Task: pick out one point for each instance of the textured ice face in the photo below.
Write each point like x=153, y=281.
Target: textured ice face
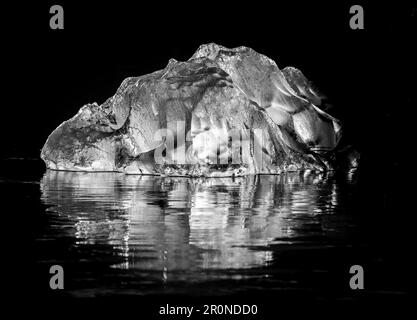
x=223, y=112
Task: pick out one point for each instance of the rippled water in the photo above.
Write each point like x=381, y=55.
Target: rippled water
x=139, y=234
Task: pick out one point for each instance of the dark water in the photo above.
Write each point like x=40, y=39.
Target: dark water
x=288, y=236
x=150, y=233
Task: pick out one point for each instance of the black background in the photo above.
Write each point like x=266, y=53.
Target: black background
x=368, y=75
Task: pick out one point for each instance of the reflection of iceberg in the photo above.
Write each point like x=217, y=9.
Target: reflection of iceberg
x=183, y=227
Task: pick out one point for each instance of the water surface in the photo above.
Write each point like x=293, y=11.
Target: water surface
x=124, y=234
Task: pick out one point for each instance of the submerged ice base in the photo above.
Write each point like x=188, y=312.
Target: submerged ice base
x=224, y=112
